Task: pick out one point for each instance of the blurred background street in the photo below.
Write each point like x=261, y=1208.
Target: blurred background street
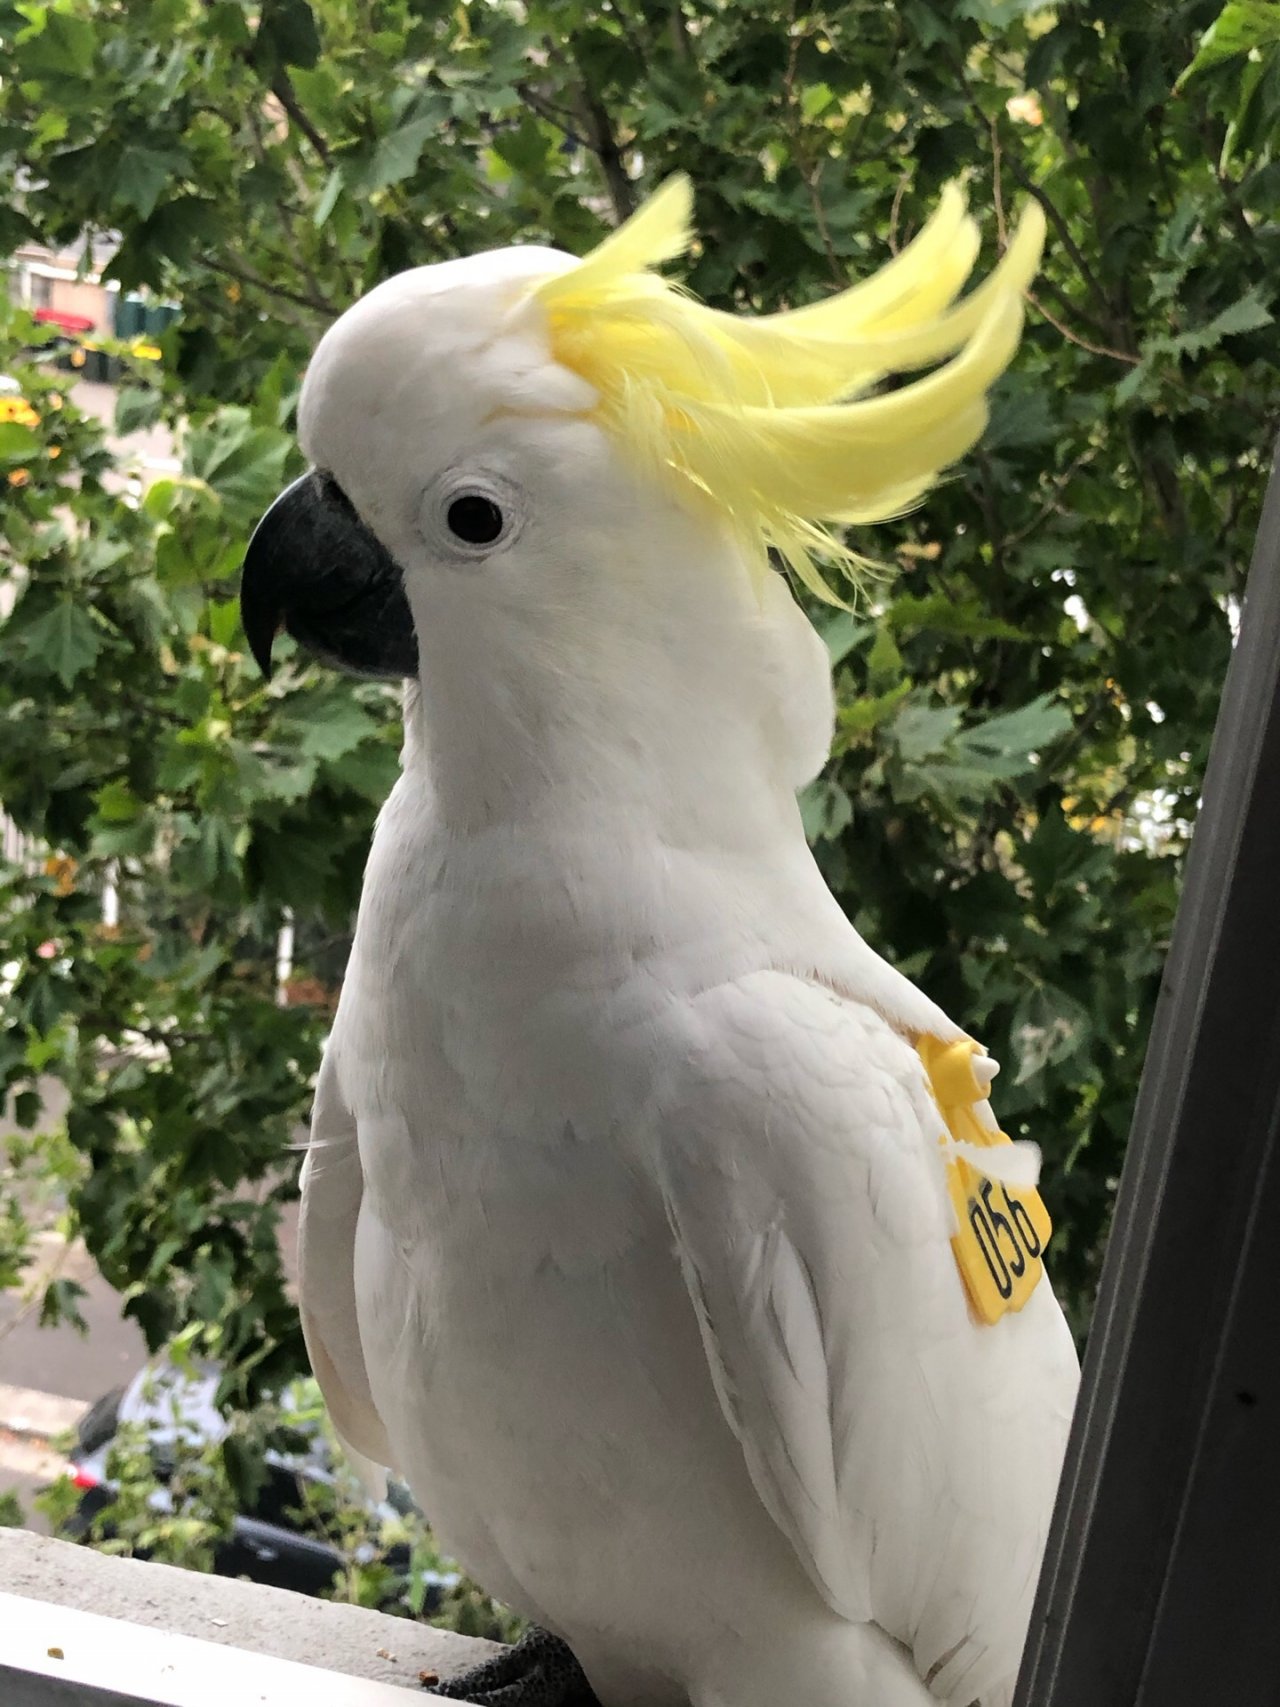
x=50, y=1375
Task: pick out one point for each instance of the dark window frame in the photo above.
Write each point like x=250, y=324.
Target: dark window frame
x=1161, y=1582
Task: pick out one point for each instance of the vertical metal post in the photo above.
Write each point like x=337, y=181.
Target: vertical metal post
x=1161, y=1584
x=284, y=957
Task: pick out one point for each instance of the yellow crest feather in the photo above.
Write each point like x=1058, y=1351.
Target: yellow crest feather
x=767, y=417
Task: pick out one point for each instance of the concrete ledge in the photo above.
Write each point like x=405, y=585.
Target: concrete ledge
x=78, y=1626
x=25, y=1411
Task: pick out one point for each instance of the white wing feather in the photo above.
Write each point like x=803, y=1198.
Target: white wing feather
x=332, y=1188
x=909, y=1454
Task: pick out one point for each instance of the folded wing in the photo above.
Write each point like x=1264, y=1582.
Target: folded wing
x=909, y=1453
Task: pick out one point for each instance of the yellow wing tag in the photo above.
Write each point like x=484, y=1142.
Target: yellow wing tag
x=1002, y=1230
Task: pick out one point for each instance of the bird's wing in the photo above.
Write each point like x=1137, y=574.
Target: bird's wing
x=909, y=1453
x=332, y=1188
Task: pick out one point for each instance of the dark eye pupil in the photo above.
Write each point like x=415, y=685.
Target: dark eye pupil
x=474, y=519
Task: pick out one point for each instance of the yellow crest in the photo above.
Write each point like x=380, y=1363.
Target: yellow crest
x=768, y=416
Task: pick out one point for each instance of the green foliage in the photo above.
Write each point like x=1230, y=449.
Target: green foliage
x=1024, y=714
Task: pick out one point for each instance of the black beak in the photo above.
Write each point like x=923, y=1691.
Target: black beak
x=314, y=569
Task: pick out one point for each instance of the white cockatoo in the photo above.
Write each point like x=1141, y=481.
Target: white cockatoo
x=655, y=1228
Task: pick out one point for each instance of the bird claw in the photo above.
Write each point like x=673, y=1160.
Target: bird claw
x=537, y=1671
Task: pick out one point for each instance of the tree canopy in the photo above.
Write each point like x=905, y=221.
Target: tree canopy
x=1024, y=706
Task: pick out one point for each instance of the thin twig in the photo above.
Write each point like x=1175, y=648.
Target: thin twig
x=894, y=211
x=813, y=184
x=568, y=124
x=809, y=173
x=282, y=89
x=1052, y=213
x=288, y=216
x=680, y=34
x=1070, y=305
x=996, y=185
x=1076, y=737
x=1059, y=224
x=35, y=1299
x=1074, y=337
x=991, y=513
x=243, y=275
x=1051, y=505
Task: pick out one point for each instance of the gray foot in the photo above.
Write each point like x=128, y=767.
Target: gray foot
x=537, y=1671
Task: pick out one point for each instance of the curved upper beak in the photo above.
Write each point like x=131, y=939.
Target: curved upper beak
x=314, y=569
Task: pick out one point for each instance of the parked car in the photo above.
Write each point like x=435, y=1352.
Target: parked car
x=268, y=1543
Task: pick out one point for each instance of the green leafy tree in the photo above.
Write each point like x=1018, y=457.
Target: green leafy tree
x=1024, y=711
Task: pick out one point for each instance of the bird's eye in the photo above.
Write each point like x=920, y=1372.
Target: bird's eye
x=475, y=519
x=467, y=515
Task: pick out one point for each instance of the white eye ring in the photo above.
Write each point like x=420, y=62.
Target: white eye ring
x=469, y=514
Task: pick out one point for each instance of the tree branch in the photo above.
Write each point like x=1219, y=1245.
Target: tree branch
x=1074, y=338
x=1052, y=213
x=895, y=212
x=282, y=89
x=1069, y=305
x=568, y=124
x=287, y=214
x=604, y=145
x=1059, y=224
x=1051, y=506
x=809, y=173
x=245, y=275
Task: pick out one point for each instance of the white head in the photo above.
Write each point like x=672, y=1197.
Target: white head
x=545, y=489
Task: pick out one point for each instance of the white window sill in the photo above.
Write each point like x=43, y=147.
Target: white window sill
x=80, y=1629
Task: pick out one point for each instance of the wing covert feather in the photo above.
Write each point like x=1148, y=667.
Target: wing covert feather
x=909, y=1453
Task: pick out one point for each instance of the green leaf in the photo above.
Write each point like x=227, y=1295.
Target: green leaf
x=1023, y=416
x=65, y=639
x=329, y=200
x=369, y=770
x=815, y=100
x=137, y=407
x=335, y=727
x=524, y=148
x=920, y=730
x=825, y=810
x=224, y=621
x=1241, y=27
x=143, y=173
x=939, y=614
x=17, y=443
x=841, y=631
x=997, y=15
x=395, y=157
x=117, y=804
x=288, y=783
x=856, y=717
x=885, y=667
x=1249, y=314
x=1048, y=1027
x=289, y=34
x=1021, y=734
x=57, y=42
x=242, y=463
x=61, y=1303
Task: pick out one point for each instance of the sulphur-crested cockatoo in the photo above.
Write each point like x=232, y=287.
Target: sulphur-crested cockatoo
x=654, y=1227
